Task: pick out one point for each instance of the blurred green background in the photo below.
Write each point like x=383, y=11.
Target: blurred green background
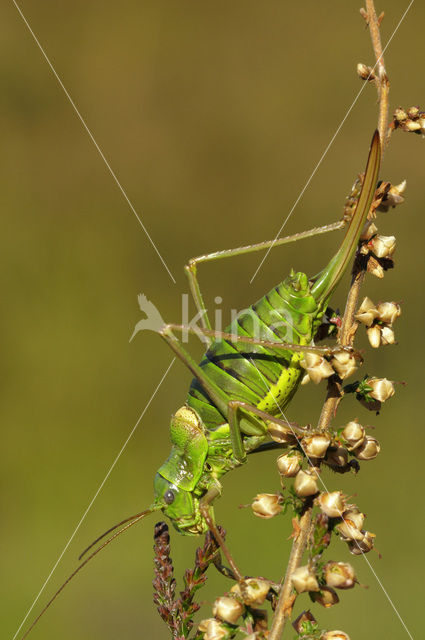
x=212, y=115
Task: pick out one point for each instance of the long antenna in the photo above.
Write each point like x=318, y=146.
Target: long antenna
x=134, y=520
x=119, y=524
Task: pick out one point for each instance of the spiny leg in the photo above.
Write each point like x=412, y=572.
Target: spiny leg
x=191, y=267
x=235, y=408
x=269, y=344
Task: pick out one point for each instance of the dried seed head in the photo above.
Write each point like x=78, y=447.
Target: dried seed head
x=327, y=597
x=281, y=434
x=370, y=229
x=368, y=450
x=367, y=312
x=353, y=434
x=388, y=312
x=304, y=579
x=383, y=246
x=267, y=505
x=358, y=547
x=422, y=123
x=316, y=445
x=289, y=464
x=374, y=336
x=351, y=526
x=348, y=529
x=331, y=503
x=354, y=515
x=253, y=591
x=306, y=483
x=344, y=363
x=400, y=115
x=393, y=197
x=365, y=73
x=306, y=617
x=228, y=609
x=305, y=379
x=339, y=575
x=382, y=389
x=412, y=125
x=413, y=112
x=387, y=335
x=375, y=268
x=336, y=457
x=317, y=367
x=212, y=629
x=334, y=635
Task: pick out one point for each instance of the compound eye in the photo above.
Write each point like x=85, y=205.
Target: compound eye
x=169, y=497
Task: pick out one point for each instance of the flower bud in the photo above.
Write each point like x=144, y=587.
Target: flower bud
x=370, y=229
x=336, y=457
x=306, y=483
x=358, y=547
x=304, y=579
x=400, y=115
x=267, y=505
x=253, y=591
x=289, y=464
x=306, y=618
x=227, y=609
x=367, y=312
x=327, y=597
x=212, y=629
x=344, y=363
x=383, y=246
x=388, y=312
x=368, y=450
x=316, y=445
x=317, y=367
x=374, y=336
x=382, y=389
x=412, y=125
x=365, y=73
x=331, y=503
x=281, y=434
x=339, y=575
x=353, y=434
x=375, y=268
x=387, y=335
x=334, y=635
x=305, y=379
x=351, y=525
x=413, y=112
x=394, y=196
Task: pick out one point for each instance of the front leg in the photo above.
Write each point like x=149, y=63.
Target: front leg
x=206, y=509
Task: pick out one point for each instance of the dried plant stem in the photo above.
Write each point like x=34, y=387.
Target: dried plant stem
x=284, y=605
x=381, y=79
x=346, y=337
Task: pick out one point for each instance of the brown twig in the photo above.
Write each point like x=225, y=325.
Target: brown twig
x=285, y=602
x=381, y=78
x=346, y=338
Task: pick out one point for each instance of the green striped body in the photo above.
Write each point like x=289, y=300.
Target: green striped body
x=263, y=377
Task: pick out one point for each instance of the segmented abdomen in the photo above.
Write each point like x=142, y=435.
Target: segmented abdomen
x=264, y=377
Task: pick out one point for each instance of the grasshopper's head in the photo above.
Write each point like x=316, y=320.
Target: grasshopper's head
x=177, y=480
x=180, y=505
